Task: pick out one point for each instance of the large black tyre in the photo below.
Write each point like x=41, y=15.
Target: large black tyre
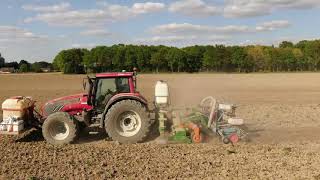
x=60, y=128
x=128, y=122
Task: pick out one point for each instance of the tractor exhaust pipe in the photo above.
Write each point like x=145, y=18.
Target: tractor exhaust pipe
x=135, y=73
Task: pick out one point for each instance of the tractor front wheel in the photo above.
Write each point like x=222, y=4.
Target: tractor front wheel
x=60, y=128
x=127, y=122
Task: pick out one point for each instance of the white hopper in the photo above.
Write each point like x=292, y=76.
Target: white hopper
x=16, y=107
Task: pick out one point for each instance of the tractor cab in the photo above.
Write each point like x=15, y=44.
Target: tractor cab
x=106, y=89
x=105, y=86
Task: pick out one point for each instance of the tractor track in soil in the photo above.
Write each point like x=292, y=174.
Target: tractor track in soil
x=281, y=112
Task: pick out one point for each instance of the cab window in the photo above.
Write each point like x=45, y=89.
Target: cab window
x=122, y=85
x=108, y=87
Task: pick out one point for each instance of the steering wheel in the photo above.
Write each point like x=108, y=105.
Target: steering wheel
x=209, y=106
x=104, y=98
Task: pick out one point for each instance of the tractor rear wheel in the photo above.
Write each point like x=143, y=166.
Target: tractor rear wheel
x=60, y=128
x=127, y=122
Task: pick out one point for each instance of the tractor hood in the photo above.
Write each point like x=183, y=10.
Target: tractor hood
x=72, y=104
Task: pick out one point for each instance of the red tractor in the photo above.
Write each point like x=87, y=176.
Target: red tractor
x=111, y=102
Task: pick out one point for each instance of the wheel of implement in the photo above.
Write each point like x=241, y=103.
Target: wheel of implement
x=60, y=128
x=234, y=138
x=207, y=103
x=127, y=122
x=197, y=138
x=225, y=140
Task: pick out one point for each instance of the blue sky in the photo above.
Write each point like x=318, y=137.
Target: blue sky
x=37, y=30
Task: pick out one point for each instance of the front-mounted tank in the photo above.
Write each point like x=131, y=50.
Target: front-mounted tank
x=16, y=107
x=17, y=111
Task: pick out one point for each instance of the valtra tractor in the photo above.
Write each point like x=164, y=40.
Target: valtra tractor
x=113, y=103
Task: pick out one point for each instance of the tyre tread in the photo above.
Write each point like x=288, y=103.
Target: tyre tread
x=127, y=140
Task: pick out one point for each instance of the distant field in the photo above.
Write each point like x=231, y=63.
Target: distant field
x=281, y=110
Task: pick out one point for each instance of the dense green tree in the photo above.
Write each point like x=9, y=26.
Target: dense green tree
x=194, y=58
x=36, y=67
x=301, y=45
x=286, y=44
x=44, y=64
x=24, y=68
x=72, y=58
x=300, y=59
x=240, y=59
x=119, y=57
x=225, y=54
x=312, y=53
x=159, y=59
x=176, y=59
x=143, y=55
x=130, y=57
x=287, y=59
x=257, y=55
x=98, y=59
x=272, y=59
x=210, y=59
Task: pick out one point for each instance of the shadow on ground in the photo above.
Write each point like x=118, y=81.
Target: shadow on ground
x=33, y=135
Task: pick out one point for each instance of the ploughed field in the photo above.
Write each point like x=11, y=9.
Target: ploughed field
x=281, y=112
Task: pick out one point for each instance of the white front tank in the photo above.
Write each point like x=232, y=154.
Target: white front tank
x=161, y=93
x=16, y=107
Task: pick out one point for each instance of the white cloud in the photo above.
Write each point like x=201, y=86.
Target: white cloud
x=73, y=18
x=272, y=25
x=218, y=37
x=148, y=7
x=181, y=40
x=191, y=34
x=53, y=8
x=252, y=8
x=95, y=32
x=14, y=34
x=194, y=8
x=192, y=29
x=95, y=17
x=187, y=28
x=165, y=39
x=89, y=46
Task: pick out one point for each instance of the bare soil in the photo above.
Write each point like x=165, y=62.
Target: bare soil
x=281, y=112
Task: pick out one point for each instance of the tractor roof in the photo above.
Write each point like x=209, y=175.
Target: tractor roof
x=114, y=74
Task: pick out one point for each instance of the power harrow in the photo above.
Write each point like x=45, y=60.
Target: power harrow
x=196, y=125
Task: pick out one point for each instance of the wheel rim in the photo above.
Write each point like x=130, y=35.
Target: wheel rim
x=128, y=124
x=59, y=130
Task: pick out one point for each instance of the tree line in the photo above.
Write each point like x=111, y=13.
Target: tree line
x=302, y=56
x=24, y=66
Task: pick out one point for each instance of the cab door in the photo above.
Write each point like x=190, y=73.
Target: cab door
x=106, y=88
